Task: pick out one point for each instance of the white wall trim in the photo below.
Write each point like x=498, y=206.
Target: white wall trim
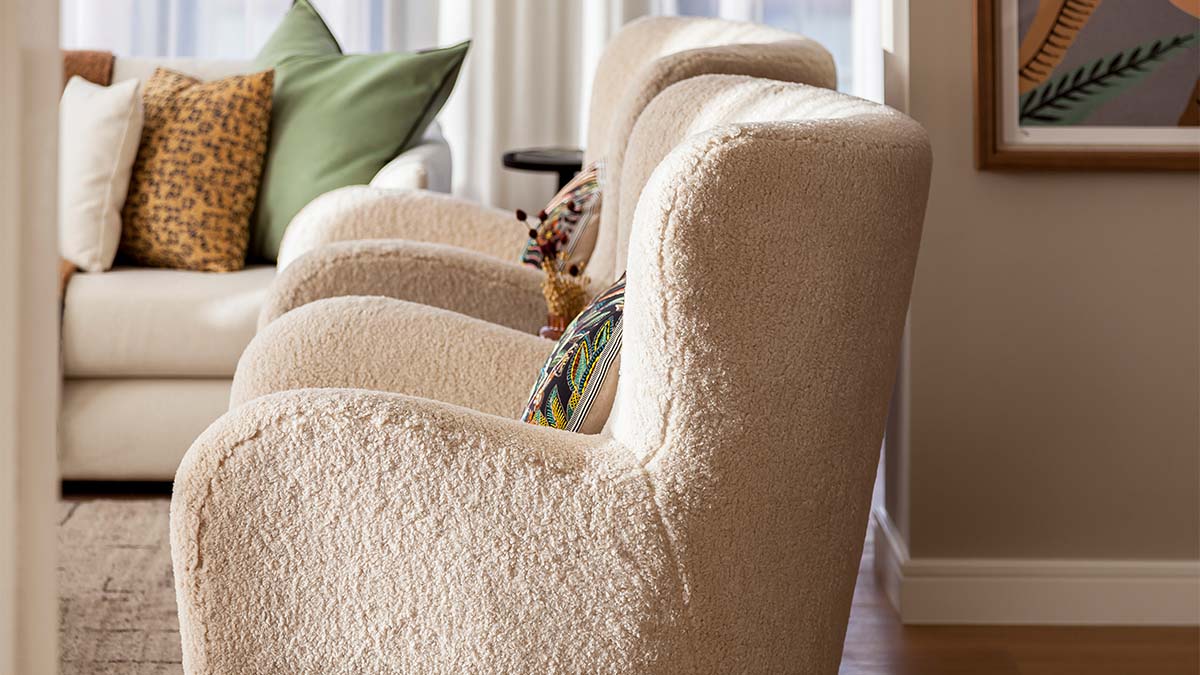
x=1033, y=592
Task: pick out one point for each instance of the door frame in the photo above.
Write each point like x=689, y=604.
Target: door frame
x=31, y=77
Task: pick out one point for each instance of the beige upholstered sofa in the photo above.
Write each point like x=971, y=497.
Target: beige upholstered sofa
x=407, y=522
x=455, y=254
x=148, y=354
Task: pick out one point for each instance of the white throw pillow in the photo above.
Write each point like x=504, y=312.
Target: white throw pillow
x=98, y=133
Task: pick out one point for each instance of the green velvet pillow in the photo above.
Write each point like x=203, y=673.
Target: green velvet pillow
x=337, y=119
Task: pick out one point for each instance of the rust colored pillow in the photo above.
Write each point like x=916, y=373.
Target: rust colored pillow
x=94, y=66
x=196, y=176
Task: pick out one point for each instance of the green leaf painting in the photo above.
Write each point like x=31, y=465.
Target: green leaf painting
x=1071, y=97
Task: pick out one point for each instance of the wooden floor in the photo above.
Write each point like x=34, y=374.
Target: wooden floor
x=877, y=644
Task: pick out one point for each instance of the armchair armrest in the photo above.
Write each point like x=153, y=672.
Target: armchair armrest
x=426, y=166
x=360, y=212
x=466, y=282
x=390, y=345
x=349, y=531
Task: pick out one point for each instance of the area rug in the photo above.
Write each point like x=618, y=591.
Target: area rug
x=116, y=595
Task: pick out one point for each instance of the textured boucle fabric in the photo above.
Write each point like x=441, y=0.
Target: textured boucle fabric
x=644, y=58
x=715, y=525
x=706, y=102
x=360, y=212
x=390, y=345
x=788, y=60
x=337, y=531
x=764, y=475
x=630, y=70
x=660, y=52
x=432, y=274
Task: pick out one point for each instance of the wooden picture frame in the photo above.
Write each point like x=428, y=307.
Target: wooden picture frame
x=992, y=153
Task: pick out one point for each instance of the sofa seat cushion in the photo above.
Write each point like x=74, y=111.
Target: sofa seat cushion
x=143, y=322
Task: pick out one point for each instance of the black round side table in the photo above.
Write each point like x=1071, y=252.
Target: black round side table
x=566, y=162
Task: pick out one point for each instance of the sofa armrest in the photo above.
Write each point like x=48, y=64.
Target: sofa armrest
x=349, y=531
x=426, y=166
x=390, y=345
x=360, y=212
x=462, y=281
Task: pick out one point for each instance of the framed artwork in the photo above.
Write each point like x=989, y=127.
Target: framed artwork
x=1087, y=84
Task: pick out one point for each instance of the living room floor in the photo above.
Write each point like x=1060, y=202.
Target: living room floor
x=117, y=615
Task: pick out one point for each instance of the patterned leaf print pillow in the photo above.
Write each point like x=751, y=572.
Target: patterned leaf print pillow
x=575, y=210
x=576, y=387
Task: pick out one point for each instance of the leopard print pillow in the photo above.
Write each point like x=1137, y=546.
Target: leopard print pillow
x=196, y=176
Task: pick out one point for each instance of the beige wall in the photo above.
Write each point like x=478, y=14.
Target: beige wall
x=1054, y=345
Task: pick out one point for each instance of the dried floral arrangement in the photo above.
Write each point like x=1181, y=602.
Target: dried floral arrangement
x=565, y=284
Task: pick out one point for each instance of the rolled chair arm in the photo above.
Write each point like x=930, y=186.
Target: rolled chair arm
x=391, y=345
x=426, y=166
x=451, y=278
x=343, y=531
x=361, y=212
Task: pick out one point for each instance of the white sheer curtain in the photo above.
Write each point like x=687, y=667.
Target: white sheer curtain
x=526, y=80
x=526, y=84
x=529, y=76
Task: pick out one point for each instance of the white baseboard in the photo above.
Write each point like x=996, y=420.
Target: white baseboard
x=1034, y=592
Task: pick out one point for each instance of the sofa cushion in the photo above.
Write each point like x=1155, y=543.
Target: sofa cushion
x=98, y=132
x=142, y=322
x=196, y=176
x=338, y=119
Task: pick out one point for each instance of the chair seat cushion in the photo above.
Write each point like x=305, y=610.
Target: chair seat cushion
x=143, y=322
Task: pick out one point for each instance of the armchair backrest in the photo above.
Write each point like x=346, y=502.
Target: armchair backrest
x=770, y=263
x=619, y=81
x=649, y=55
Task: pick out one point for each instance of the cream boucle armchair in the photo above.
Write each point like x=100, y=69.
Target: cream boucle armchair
x=715, y=526
x=460, y=255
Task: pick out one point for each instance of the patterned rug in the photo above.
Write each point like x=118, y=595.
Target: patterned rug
x=116, y=595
